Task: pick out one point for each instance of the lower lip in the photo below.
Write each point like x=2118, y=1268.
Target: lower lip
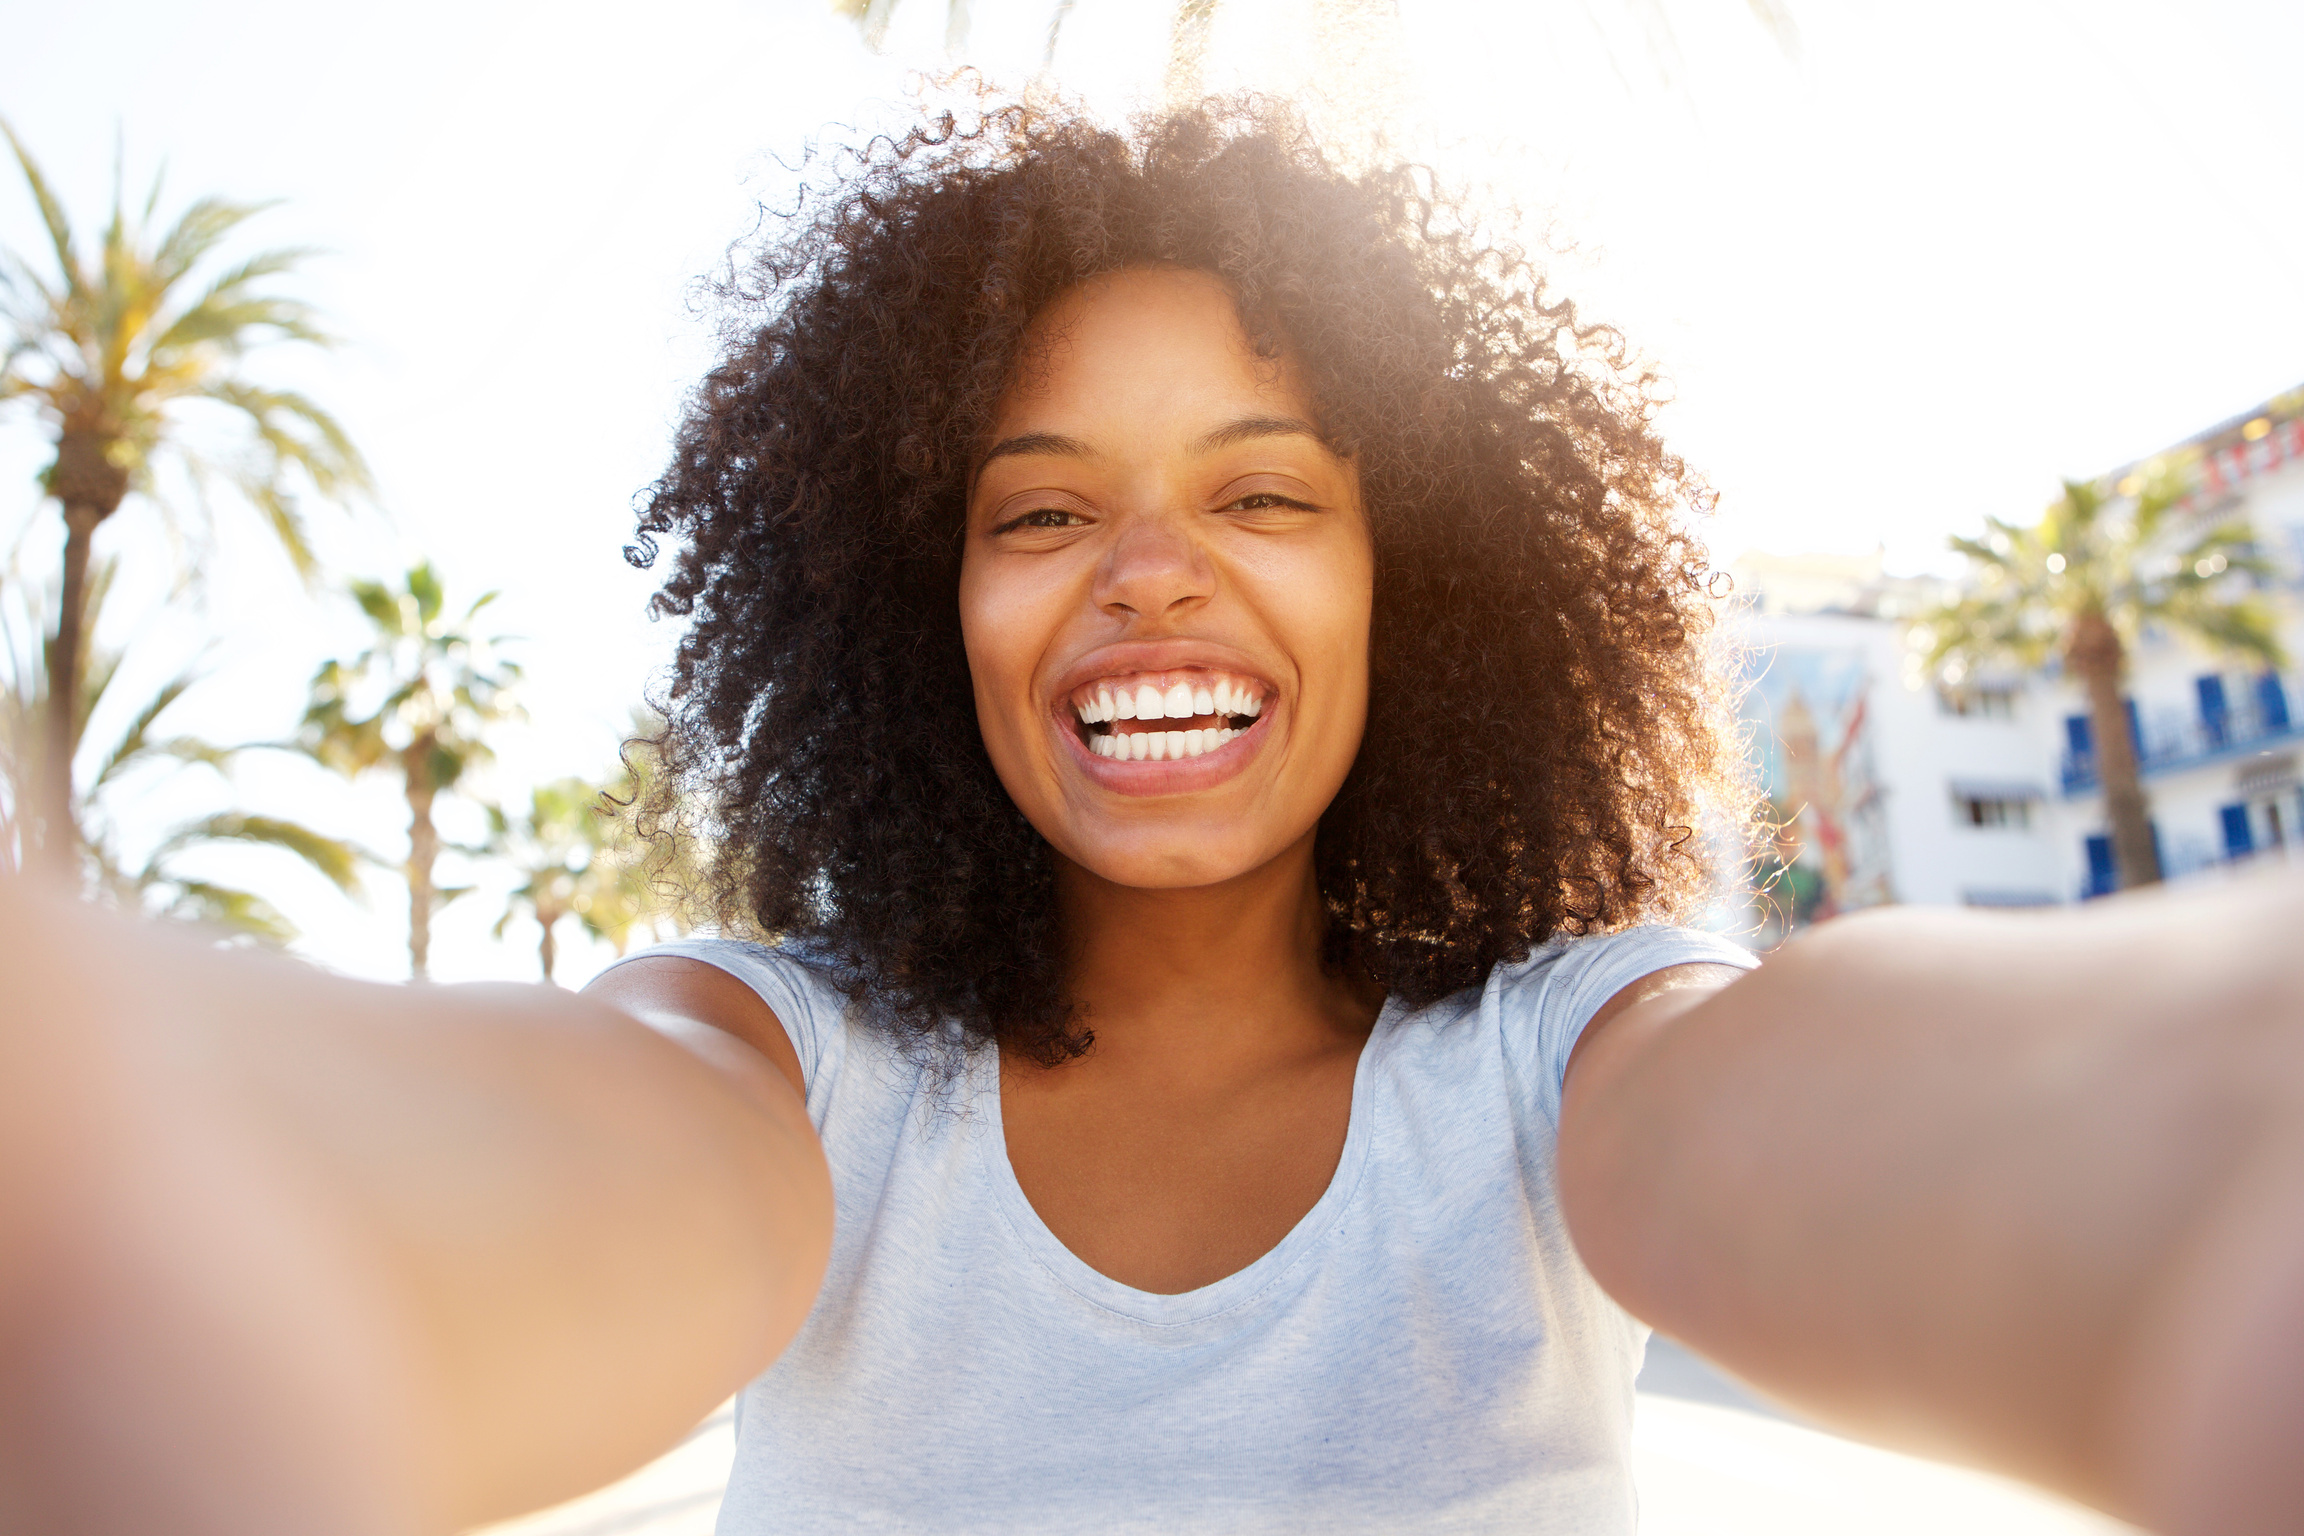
x=1168, y=777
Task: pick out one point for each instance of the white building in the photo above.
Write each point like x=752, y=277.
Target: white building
x=1898, y=789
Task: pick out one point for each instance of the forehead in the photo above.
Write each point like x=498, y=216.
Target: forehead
x=1158, y=339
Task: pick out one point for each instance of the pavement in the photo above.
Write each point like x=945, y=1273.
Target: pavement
x=1711, y=1458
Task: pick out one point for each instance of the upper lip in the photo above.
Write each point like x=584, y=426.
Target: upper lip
x=1129, y=656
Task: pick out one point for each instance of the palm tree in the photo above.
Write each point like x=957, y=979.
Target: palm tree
x=119, y=354
x=573, y=861
x=137, y=754
x=580, y=855
x=418, y=703
x=2078, y=588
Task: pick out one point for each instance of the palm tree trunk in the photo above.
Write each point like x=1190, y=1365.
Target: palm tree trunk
x=60, y=832
x=423, y=850
x=91, y=487
x=2095, y=653
x=547, y=948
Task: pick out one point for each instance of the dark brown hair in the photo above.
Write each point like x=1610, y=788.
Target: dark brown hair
x=1544, y=731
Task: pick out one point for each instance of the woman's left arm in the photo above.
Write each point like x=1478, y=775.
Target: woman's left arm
x=2024, y=1191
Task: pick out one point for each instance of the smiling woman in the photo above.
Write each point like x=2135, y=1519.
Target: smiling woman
x=1194, y=696
x=999, y=359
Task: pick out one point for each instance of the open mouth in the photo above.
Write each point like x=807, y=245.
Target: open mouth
x=1164, y=716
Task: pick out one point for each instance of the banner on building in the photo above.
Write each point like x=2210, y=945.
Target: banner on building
x=1810, y=709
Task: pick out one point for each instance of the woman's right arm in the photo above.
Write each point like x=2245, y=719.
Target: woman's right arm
x=285, y=1252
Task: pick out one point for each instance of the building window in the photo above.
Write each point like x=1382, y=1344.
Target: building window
x=2266, y=824
x=2271, y=703
x=1993, y=811
x=2215, y=711
x=1984, y=701
x=2239, y=837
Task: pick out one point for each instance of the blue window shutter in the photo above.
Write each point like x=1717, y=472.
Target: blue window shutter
x=2237, y=841
x=2135, y=731
x=2272, y=702
x=2215, y=712
x=2158, y=857
x=2103, y=875
x=2078, y=736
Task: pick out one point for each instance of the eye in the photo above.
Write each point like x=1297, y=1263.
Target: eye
x=1265, y=501
x=1042, y=517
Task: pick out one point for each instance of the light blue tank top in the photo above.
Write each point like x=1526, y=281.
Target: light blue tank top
x=1423, y=1352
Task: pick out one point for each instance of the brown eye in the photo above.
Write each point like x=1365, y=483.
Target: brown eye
x=1043, y=517
x=1261, y=501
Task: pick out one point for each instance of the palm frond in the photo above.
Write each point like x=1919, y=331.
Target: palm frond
x=233, y=322
x=136, y=743
x=31, y=322
x=2245, y=627
x=199, y=230
x=281, y=514
x=382, y=605
x=52, y=215
x=424, y=586
x=231, y=909
x=325, y=452
x=337, y=860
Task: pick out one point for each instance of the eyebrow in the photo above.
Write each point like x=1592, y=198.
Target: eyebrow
x=1035, y=442
x=1249, y=428
x=1246, y=429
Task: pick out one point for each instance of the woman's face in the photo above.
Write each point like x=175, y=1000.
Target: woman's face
x=1165, y=588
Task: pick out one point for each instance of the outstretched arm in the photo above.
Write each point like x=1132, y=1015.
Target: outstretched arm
x=2022, y=1191
x=281, y=1252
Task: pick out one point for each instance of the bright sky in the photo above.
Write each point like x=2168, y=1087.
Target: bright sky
x=1908, y=278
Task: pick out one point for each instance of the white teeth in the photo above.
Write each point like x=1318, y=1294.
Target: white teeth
x=1223, y=698
x=1160, y=746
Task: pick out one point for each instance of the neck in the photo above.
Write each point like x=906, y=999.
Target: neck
x=1220, y=976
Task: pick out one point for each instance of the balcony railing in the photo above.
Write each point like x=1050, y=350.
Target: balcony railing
x=2169, y=745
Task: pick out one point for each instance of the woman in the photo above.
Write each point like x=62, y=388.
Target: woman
x=1209, y=698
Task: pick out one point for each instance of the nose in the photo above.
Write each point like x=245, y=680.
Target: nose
x=1154, y=569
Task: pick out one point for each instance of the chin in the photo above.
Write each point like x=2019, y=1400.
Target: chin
x=1179, y=862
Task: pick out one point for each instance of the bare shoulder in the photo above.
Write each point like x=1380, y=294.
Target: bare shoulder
x=703, y=1007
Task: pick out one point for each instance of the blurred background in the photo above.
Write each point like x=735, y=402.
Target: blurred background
x=343, y=338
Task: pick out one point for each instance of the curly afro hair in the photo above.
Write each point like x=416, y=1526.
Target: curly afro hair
x=1545, y=731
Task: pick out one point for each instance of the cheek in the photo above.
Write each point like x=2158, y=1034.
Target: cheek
x=1333, y=611
x=1002, y=634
